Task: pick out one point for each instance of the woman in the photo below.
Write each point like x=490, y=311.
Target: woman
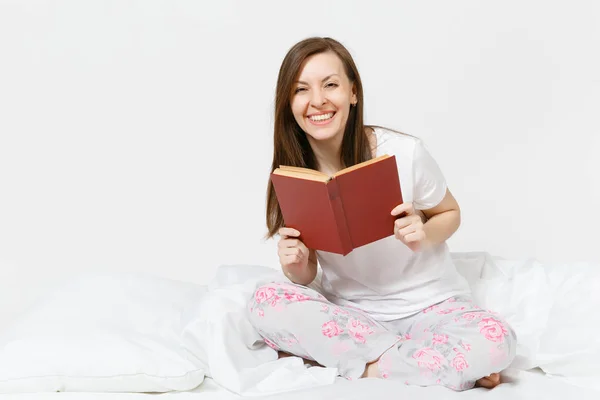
x=396, y=308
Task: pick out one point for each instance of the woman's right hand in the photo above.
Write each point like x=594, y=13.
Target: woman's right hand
x=298, y=262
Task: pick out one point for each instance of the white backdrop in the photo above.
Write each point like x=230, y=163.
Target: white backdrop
x=136, y=135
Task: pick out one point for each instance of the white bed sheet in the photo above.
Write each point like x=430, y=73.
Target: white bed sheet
x=517, y=385
x=538, y=300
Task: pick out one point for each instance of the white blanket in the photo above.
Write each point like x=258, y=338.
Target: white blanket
x=123, y=332
x=551, y=307
x=218, y=332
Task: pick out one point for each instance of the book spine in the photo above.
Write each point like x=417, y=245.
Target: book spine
x=340, y=217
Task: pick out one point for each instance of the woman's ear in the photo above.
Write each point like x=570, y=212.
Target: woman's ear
x=354, y=97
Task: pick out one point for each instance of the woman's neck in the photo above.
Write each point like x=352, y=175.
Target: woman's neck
x=327, y=155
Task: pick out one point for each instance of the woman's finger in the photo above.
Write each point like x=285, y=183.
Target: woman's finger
x=414, y=237
x=406, y=208
x=289, y=232
x=407, y=230
x=406, y=221
x=292, y=251
x=285, y=243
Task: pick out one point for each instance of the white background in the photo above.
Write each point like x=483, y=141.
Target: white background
x=136, y=135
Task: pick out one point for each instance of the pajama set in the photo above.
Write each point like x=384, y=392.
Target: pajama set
x=412, y=311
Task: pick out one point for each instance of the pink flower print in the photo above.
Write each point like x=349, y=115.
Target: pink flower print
x=358, y=330
x=459, y=363
x=440, y=339
x=260, y=313
x=492, y=329
x=407, y=337
x=270, y=344
x=331, y=329
x=384, y=365
x=338, y=311
x=324, y=308
x=291, y=341
x=465, y=346
x=431, y=308
x=470, y=316
x=264, y=294
x=450, y=310
x=300, y=297
x=274, y=300
x=429, y=358
x=289, y=296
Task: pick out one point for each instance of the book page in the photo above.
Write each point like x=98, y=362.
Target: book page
x=302, y=173
x=301, y=170
x=362, y=164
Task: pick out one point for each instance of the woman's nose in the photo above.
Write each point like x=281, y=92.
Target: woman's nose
x=317, y=99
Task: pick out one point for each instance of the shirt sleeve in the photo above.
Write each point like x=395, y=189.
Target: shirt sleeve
x=430, y=184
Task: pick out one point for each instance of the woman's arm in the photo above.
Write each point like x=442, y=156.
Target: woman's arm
x=442, y=221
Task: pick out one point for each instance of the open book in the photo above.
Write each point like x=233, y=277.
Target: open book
x=341, y=212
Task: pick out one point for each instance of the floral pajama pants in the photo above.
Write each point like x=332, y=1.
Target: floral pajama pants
x=453, y=343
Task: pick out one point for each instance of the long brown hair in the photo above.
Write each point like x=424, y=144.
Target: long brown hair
x=291, y=147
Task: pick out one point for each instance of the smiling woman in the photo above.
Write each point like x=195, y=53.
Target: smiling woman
x=411, y=316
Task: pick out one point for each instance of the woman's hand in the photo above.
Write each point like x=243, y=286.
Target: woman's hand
x=299, y=263
x=409, y=227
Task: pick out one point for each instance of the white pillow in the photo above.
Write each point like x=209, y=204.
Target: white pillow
x=515, y=289
x=112, y=332
x=470, y=264
x=570, y=345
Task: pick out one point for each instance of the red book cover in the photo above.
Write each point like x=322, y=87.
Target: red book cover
x=340, y=213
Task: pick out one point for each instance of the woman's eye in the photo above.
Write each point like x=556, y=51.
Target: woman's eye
x=331, y=84
x=300, y=89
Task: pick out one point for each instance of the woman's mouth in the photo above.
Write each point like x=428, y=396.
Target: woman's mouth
x=321, y=119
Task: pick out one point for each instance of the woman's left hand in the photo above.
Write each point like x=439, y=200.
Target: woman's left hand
x=409, y=227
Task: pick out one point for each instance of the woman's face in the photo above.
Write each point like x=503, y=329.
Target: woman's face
x=321, y=97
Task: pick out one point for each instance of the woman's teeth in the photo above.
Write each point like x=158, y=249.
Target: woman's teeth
x=322, y=117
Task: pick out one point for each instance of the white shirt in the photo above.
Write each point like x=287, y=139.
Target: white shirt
x=386, y=279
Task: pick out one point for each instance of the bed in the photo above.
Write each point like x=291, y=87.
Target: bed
x=519, y=385
x=136, y=336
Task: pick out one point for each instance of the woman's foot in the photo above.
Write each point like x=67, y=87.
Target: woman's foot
x=489, y=382
x=371, y=370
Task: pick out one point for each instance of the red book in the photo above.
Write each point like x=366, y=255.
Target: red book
x=342, y=212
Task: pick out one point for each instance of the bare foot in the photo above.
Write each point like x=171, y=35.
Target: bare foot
x=489, y=382
x=371, y=370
